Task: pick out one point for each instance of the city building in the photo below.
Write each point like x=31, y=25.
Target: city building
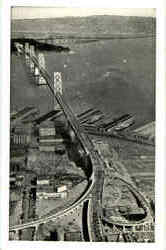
x=73, y=236
x=43, y=182
x=61, y=189
x=50, y=195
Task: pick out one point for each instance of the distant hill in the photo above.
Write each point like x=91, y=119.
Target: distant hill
x=87, y=25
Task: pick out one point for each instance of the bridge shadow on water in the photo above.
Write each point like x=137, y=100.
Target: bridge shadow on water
x=38, y=45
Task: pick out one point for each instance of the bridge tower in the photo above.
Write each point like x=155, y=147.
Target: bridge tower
x=42, y=64
x=32, y=53
x=27, y=59
x=57, y=87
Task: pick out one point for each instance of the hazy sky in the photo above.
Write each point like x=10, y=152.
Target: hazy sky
x=45, y=12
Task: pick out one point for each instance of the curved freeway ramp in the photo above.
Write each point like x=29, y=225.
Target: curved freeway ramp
x=142, y=201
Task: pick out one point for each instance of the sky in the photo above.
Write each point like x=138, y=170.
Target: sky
x=52, y=12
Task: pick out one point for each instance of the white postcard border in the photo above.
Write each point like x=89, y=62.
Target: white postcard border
x=160, y=125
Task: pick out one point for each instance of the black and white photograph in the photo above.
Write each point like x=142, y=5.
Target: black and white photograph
x=82, y=124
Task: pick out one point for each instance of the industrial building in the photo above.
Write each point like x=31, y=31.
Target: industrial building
x=49, y=140
x=20, y=135
x=47, y=129
x=51, y=145
x=20, y=139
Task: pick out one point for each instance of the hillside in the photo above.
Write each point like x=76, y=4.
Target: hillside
x=87, y=25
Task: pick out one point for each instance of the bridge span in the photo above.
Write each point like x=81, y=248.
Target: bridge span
x=95, y=163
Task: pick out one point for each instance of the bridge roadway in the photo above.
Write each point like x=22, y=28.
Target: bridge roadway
x=70, y=116
x=96, y=181
x=56, y=215
x=90, y=151
x=95, y=225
